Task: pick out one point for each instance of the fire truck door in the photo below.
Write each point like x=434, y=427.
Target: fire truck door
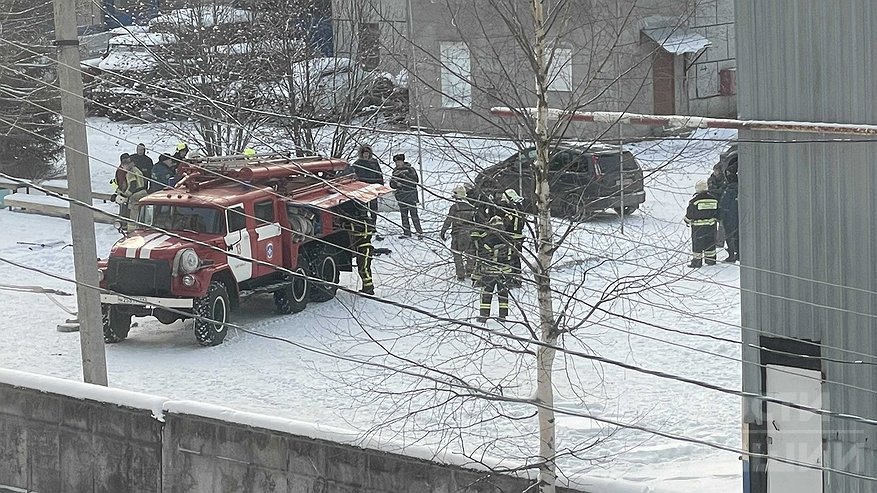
x=238, y=243
x=267, y=244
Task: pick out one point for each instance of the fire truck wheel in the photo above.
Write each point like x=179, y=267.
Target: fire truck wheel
x=116, y=323
x=326, y=270
x=214, y=306
x=293, y=298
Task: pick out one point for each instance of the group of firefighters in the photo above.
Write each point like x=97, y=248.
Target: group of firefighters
x=713, y=217
x=137, y=176
x=487, y=233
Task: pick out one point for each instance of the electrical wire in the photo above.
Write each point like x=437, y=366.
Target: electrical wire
x=505, y=335
x=456, y=382
x=654, y=325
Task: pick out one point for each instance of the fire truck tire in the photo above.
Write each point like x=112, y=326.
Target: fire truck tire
x=116, y=323
x=214, y=306
x=326, y=271
x=293, y=298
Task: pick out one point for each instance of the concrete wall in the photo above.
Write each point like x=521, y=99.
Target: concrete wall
x=110, y=441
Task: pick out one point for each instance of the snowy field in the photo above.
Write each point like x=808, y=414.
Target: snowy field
x=252, y=373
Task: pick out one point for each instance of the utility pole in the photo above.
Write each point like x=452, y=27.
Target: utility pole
x=91, y=339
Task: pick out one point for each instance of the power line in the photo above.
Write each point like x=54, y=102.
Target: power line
x=615, y=314
x=459, y=383
x=506, y=335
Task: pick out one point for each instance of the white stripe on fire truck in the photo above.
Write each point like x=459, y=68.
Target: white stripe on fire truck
x=146, y=250
x=131, y=251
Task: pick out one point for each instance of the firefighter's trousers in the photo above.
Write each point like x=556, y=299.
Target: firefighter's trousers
x=491, y=282
x=703, y=243
x=363, y=254
x=461, y=246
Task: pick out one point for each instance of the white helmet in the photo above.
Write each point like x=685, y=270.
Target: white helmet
x=460, y=192
x=700, y=187
x=510, y=196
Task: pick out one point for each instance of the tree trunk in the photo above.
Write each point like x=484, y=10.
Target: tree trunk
x=545, y=254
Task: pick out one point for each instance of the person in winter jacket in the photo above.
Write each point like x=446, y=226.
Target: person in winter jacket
x=730, y=215
x=135, y=189
x=495, y=269
x=142, y=161
x=461, y=221
x=405, y=181
x=702, y=215
x=717, y=184
x=163, y=173
x=368, y=170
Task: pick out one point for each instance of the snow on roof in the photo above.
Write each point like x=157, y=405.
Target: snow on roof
x=142, y=38
x=677, y=40
x=205, y=17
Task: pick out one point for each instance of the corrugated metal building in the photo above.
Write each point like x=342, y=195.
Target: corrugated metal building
x=808, y=228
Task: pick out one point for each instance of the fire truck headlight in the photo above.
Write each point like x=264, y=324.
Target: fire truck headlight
x=100, y=275
x=189, y=261
x=188, y=280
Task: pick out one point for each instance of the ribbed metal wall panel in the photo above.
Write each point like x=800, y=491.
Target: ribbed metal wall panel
x=808, y=210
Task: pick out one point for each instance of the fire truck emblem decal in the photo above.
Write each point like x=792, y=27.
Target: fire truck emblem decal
x=269, y=250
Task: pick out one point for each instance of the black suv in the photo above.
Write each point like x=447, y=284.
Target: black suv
x=584, y=180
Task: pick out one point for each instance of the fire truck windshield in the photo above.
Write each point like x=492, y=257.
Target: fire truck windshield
x=180, y=218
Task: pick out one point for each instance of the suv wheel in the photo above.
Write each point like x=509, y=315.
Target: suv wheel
x=214, y=307
x=116, y=323
x=293, y=298
x=326, y=271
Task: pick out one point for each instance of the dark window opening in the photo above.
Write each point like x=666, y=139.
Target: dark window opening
x=264, y=212
x=236, y=219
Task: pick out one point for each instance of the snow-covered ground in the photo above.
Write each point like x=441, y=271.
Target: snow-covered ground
x=252, y=373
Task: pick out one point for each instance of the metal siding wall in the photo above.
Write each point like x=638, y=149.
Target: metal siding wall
x=808, y=209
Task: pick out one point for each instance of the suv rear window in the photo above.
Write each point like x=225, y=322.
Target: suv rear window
x=609, y=162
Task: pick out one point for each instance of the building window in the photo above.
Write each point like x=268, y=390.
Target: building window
x=455, y=73
x=369, y=45
x=560, y=71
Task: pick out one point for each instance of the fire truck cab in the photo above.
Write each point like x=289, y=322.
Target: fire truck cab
x=232, y=227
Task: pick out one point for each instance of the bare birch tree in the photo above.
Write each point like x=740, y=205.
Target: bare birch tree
x=520, y=54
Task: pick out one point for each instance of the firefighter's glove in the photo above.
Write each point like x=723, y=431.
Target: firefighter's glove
x=113, y=197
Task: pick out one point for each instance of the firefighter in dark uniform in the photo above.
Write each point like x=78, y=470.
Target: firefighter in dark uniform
x=361, y=229
x=495, y=269
x=484, y=210
x=461, y=221
x=513, y=218
x=702, y=215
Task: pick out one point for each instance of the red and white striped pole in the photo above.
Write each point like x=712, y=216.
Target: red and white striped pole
x=683, y=121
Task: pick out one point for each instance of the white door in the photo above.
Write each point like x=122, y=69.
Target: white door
x=792, y=433
x=238, y=243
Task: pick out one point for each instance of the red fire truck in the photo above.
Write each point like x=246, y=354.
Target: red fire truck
x=232, y=227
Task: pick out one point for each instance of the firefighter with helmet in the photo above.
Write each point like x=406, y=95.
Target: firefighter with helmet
x=702, y=215
x=496, y=267
x=361, y=230
x=461, y=221
x=513, y=218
